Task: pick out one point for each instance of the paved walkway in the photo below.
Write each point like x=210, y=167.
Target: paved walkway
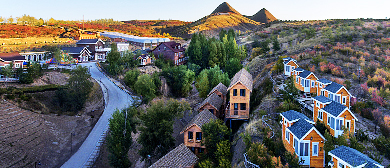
x=115, y=98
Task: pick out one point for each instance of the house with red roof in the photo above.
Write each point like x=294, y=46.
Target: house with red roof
x=171, y=50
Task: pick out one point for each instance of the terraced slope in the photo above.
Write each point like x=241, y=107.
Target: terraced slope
x=22, y=133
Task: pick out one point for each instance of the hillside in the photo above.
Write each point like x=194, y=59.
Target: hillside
x=263, y=16
x=225, y=8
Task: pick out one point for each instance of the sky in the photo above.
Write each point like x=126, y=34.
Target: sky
x=185, y=10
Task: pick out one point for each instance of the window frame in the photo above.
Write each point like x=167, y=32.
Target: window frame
x=196, y=136
x=344, y=100
x=242, y=92
x=242, y=105
x=287, y=136
x=315, y=143
x=234, y=92
x=192, y=135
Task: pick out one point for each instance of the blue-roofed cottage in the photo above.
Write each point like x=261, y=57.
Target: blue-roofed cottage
x=348, y=157
x=301, y=138
x=289, y=65
x=306, y=81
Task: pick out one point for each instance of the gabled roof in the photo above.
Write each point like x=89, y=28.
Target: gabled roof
x=335, y=87
x=175, y=47
x=288, y=59
x=244, y=77
x=324, y=81
x=306, y=74
x=220, y=87
x=300, y=128
x=298, y=69
x=11, y=56
x=89, y=41
x=354, y=158
x=200, y=119
x=335, y=108
x=293, y=115
x=181, y=156
x=74, y=50
x=214, y=100
x=322, y=99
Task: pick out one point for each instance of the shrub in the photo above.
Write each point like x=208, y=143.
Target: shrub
x=131, y=77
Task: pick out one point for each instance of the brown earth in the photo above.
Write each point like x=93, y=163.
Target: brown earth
x=28, y=136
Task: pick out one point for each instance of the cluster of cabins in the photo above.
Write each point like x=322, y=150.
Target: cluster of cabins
x=214, y=107
x=331, y=106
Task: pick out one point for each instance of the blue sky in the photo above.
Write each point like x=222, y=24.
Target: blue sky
x=192, y=10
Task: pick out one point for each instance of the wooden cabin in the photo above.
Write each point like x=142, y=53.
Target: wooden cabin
x=193, y=131
x=7, y=58
x=213, y=103
x=301, y=138
x=171, y=50
x=338, y=93
x=221, y=91
x=336, y=116
x=305, y=82
x=240, y=89
x=81, y=54
x=95, y=46
x=289, y=65
x=322, y=83
x=346, y=157
x=181, y=157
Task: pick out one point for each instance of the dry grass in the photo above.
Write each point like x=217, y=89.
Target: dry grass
x=223, y=21
x=29, y=43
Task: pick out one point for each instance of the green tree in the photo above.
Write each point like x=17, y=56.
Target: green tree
x=180, y=79
x=223, y=154
x=131, y=77
x=213, y=57
x=214, y=132
x=258, y=154
x=264, y=46
x=119, y=138
x=202, y=84
x=113, y=59
x=290, y=92
x=233, y=66
x=7, y=71
x=310, y=32
x=128, y=60
x=206, y=164
x=279, y=66
x=222, y=34
x=145, y=86
x=275, y=45
x=209, y=78
x=77, y=90
x=157, y=127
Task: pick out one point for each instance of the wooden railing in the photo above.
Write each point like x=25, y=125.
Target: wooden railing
x=237, y=114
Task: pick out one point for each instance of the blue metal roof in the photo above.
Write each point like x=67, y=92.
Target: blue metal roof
x=300, y=128
x=304, y=74
x=322, y=99
x=333, y=87
x=88, y=41
x=334, y=108
x=288, y=59
x=353, y=157
x=72, y=49
x=324, y=81
x=299, y=70
x=294, y=115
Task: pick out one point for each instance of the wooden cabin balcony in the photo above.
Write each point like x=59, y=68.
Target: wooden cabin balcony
x=236, y=114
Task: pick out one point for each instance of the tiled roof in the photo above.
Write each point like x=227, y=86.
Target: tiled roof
x=200, y=119
x=334, y=108
x=88, y=41
x=221, y=88
x=172, y=46
x=214, y=100
x=73, y=49
x=324, y=81
x=322, y=99
x=300, y=128
x=294, y=115
x=333, y=87
x=288, y=59
x=304, y=74
x=244, y=77
x=179, y=157
x=299, y=69
x=11, y=56
x=354, y=157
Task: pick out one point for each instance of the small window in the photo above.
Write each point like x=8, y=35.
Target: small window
x=341, y=165
x=235, y=106
x=344, y=100
x=317, y=105
x=234, y=92
x=198, y=136
x=320, y=115
x=211, y=110
x=312, y=84
x=190, y=135
x=201, y=150
x=242, y=106
x=287, y=136
x=193, y=149
x=296, y=79
x=315, y=149
x=242, y=92
x=165, y=48
x=17, y=65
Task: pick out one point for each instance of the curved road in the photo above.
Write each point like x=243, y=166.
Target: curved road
x=115, y=98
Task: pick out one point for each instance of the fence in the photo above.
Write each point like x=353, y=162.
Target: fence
x=249, y=164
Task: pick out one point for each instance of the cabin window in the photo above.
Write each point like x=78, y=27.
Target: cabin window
x=193, y=149
x=332, y=123
x=287, y=136
x=287, y=68
x=234, y=92
x=344, y=100
x=296, y=145
x=198, y=136
x=320, y=85
x=242, y=106
x=242, y=92
x=328, y=120
x=304, y=149
x=190, y=135
x=200, y=150
x=315, y=148
x=17, y=65
x=312, y=84
x=307, y=83
x=337, y=98
x=320, y=115
x=296, y=79
x=330, y=96
x=322, y=93
x=165, y=48
x=341, y=165
x=211, y=110
x=317, y=105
